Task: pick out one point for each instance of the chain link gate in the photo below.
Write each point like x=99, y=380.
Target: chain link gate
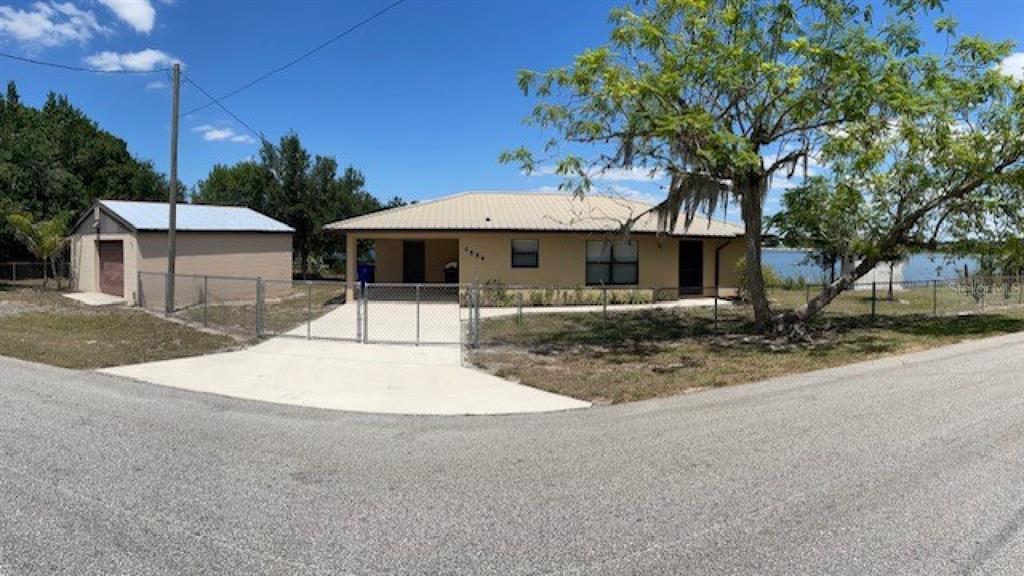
x=419, y=314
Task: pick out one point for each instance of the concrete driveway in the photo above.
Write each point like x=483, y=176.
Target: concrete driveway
x=905, y=466
x=349, y=376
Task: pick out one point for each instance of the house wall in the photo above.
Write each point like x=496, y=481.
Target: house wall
x=486, y=257
x=389, y=251
x=729, y=256
x=247, y=255
x=561, y=259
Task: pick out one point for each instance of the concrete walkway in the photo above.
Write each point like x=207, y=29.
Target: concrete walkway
x=94, y=298
x=348, y=376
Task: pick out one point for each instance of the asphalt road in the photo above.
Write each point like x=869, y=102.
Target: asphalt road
x=906, y=466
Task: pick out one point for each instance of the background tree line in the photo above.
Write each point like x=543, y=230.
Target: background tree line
x=55, y=161
x=305, y=191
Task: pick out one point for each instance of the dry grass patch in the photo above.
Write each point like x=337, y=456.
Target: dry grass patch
x=46, y=327
x=639, y=355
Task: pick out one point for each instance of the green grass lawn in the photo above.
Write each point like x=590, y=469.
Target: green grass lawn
x=43, y=326
x=647, y=354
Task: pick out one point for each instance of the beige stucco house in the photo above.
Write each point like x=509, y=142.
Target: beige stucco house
x=116, y=240
x=543, y=240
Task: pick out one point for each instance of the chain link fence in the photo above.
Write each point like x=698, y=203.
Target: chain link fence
x=514, y=315
x=489, y=314
x=33, y=273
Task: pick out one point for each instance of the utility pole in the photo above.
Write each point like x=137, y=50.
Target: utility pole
x=172, y=195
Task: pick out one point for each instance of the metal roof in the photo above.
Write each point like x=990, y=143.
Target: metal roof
x=499, y=211
x=153, y=216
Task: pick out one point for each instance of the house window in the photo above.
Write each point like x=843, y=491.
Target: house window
x=612, y=262
x=525, y=253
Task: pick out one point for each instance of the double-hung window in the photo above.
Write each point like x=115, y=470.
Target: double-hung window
x=525, y=253
x=612, y=262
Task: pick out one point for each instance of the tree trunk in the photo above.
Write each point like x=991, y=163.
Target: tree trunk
x=819, y=302
x=46, y=280
x=304, y=263
x=751, y=190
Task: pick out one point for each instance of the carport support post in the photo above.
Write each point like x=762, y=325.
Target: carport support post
x=417, y=314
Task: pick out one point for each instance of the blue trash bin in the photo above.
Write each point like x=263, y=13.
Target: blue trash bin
x=364, y=273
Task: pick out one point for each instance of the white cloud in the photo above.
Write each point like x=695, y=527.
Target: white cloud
x=141, y=61
x=212, y=133
x=139, y=14
x=156, y=85
x=48, y=24
x=1013, y=66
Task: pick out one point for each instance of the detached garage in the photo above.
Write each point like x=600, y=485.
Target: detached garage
x=115, y=240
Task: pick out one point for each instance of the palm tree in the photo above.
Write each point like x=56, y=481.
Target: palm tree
x=44, y=239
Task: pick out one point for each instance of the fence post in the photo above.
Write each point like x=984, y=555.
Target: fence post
x=417, y=314
x=874, y=297
x=475, y=316
x=717, y=292
x=259, y=306
x=366, y=313
x=935, y=297
x=206, y=300
x=357, y=292
x=604, y=313
x=519, y=300
x=309, y=310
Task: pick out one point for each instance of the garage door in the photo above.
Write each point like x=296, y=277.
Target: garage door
x=112, y=268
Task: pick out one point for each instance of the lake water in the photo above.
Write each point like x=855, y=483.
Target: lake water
x=923, y=266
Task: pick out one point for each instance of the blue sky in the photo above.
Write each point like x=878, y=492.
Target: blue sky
x=422, y=100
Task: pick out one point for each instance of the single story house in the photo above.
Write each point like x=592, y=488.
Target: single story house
x=549, y=240
x=116, y=240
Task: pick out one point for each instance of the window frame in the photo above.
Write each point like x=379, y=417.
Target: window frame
x=612, y=263
x=513, y=252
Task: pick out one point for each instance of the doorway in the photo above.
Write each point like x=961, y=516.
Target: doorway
x=414, y=261
x=691, y=267
x=111, y=253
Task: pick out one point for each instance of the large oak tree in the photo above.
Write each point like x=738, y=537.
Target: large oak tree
x=722, y=96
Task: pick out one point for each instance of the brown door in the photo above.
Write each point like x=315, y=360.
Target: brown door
x=112, y=267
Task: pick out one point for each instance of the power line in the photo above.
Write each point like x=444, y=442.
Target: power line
x=74, y=68
x=298, y=59
x=218, y=103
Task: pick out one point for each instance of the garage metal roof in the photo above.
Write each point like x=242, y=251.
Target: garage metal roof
x=509, y=211
x=153, y=216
